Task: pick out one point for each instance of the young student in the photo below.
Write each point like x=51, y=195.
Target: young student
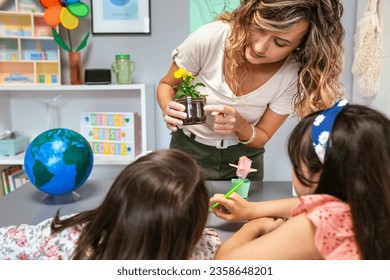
x=341, y=173
x=266, y=60
x=157, y=208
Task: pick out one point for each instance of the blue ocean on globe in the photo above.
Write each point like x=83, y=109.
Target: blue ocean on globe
x=58, y=161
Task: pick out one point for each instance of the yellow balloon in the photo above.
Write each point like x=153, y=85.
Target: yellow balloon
x=68, y=20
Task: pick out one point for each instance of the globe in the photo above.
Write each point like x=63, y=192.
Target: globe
x=58, y=161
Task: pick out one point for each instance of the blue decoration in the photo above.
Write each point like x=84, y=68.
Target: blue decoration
x=58, y=161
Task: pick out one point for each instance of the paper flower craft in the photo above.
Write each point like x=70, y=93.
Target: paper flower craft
x=66, y=12
x=243, y=167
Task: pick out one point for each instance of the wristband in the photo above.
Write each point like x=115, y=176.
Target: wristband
x=252, y=137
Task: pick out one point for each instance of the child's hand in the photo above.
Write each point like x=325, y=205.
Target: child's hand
x=233, y=208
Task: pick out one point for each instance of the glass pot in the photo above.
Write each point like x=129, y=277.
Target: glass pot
x=194, y=109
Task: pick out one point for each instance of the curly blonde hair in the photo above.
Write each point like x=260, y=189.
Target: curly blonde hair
x=320, y=54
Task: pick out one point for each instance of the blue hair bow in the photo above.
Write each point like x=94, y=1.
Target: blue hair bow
x=322, y=127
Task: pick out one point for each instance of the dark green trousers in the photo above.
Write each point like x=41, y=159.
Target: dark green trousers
x=215, y=162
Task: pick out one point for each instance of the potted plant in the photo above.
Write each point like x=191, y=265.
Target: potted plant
x=190, y=97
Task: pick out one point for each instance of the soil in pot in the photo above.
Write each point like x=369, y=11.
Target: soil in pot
x=194, y=109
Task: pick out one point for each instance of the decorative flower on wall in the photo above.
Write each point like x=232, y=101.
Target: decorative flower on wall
x=67, y=13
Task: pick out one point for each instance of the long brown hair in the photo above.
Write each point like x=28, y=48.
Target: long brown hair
x=356, y=170
x=320, y=55
x=155, y=209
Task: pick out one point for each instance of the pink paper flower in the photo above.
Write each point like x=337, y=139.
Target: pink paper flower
x=243, y=167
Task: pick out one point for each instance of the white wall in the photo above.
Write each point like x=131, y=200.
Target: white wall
x=152, y=56
x=382, y=100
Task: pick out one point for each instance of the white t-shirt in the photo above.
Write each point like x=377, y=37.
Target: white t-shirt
x=202, y=54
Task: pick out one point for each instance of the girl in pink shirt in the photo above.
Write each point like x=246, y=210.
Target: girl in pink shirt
x=341, y=173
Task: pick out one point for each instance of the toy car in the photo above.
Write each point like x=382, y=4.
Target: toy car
x=16, y=77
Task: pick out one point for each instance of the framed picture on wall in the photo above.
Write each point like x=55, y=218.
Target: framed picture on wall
x=120, y=16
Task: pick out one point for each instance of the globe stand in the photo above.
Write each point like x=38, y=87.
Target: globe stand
x=61, y=198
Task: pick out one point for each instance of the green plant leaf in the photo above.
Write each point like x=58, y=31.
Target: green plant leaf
x=199, y=85
x=83, y=43
x=195, y=93
x=59, y=41
x=179, y=94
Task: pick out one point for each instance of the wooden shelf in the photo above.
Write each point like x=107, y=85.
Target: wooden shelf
x=16, y=159
x=55, y=88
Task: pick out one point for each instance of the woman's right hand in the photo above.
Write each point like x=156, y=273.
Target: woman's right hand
x=233, y=208
x=173, y=115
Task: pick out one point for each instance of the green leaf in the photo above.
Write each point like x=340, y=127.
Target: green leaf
x=83, y=43
x=195, y=94
x=200, y=85
x=59, y=41
x=179, y=94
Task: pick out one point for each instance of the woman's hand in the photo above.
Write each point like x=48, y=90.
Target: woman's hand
x=233, y=208
x=226, y=118
x=173, y=115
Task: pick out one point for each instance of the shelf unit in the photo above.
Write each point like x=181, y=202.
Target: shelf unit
x=30, y=110
x=28, y=52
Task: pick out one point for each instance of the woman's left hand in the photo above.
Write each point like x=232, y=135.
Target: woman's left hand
x=226, y=118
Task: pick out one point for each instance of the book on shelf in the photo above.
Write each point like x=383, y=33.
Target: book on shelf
x=1, y=186
x=17, y=179
x=7, y=172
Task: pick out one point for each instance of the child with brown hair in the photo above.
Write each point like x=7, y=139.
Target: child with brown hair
x=157, y=208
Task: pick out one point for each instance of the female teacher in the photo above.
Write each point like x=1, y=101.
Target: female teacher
x=262, y=62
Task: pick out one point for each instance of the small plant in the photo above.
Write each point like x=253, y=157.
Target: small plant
x=185, y=88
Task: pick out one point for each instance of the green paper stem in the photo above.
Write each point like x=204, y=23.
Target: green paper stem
x=83, y=43
x=70, y=40
x=59, y=41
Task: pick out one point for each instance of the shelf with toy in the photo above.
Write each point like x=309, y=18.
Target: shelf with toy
x=29, y=6
x=28, y=52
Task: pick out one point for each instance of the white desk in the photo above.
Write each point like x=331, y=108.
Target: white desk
x=25, y=204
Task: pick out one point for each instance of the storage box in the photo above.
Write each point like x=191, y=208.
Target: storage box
x=13, y=146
